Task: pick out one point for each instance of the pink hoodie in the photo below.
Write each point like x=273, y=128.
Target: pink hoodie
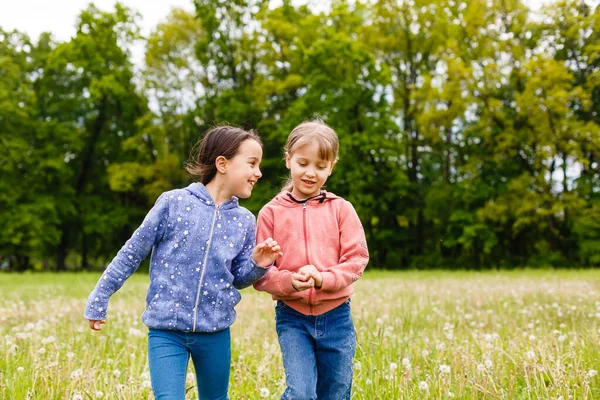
x=326, y=232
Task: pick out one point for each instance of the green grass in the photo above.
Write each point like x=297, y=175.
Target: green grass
x=522, y=334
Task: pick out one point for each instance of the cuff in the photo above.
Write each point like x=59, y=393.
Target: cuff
x=285, y=283
x=328, y=284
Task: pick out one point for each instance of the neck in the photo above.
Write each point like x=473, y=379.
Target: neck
x=217, y=191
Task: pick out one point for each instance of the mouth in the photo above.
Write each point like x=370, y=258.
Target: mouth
x=307, y=182
x=252, y=183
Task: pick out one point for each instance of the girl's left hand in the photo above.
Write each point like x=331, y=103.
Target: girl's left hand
x=266, y=253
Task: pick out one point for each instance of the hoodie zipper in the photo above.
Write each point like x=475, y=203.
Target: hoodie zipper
x=310, y=291
x=212, y=228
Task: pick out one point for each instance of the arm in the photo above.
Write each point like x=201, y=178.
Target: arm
x=354, y=254
x=128, y=259
x=277, y=282
x=247, y=267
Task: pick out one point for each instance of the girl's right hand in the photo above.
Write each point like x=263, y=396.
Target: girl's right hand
x=301, y=282
x=96, y=324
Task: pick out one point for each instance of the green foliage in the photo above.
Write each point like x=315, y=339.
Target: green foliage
x=469, y=131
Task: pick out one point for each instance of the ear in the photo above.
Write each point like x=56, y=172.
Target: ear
x=221, y=164
x=288, y=160
x=331, y=169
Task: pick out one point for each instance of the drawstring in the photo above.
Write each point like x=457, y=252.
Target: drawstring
x=322, y=196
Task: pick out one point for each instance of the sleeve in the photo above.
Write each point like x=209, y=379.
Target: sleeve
x=277, y=282
x=354, y=254
x=245, y=271
x=128, y=259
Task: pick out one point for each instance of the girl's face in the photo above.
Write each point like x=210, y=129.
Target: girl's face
x=309, y=172
x=243, y=169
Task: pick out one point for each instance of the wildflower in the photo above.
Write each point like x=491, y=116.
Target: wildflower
x=77, y=373
x=423, y=385
x=562, y=338
x=530, y=354
x=393, y=366
x=77, y=396
x=480, y=367
x=20, y=369
x=357, y=365
x=49, y=339
x=42, y=350
x=444, y=369
x=264, y=392
x=70, y=354
x=488, y=363
x=136, y=333
x=592, y=372
x=117, y=373
x=99, y=394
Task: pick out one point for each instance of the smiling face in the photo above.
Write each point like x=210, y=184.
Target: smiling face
x=308, y=170
x=243, y=169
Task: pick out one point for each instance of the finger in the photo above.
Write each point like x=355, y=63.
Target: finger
x=299, y=277
x=275, y=248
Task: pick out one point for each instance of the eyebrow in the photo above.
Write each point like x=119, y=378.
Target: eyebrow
x=252, y=158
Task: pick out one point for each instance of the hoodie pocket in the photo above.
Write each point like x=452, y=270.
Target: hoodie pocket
x=162, y=308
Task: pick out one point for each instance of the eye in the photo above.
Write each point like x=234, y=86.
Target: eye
x=321, y=166
x=302, y=164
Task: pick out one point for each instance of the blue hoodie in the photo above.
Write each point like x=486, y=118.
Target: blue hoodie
x=201, y=256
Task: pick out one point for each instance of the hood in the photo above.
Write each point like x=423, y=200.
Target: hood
x=200, y=191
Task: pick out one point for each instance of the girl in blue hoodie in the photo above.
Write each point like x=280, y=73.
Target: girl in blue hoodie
x=203, y=251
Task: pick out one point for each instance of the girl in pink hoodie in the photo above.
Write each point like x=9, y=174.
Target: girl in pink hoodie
x=324, y=252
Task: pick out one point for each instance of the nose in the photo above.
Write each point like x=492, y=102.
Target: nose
x=258, y=173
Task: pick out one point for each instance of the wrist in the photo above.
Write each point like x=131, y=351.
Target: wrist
x=319, y=283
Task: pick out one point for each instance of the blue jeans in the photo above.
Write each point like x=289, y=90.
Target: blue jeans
x=168, y=356
x=317, y=353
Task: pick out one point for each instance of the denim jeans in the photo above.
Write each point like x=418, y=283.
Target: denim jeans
x=317, y=353
x=168, y=356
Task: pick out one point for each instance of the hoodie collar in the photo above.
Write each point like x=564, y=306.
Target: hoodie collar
x=200, y=191
x=286, y=199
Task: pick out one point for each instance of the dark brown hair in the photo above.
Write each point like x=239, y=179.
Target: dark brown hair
x=221, y=140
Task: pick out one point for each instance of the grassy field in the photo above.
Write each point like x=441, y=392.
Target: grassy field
x=437, y=335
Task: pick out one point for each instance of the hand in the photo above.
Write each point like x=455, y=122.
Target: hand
x=310, y=271
x=301, y=282
x=266, y=253
x=96, y=324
